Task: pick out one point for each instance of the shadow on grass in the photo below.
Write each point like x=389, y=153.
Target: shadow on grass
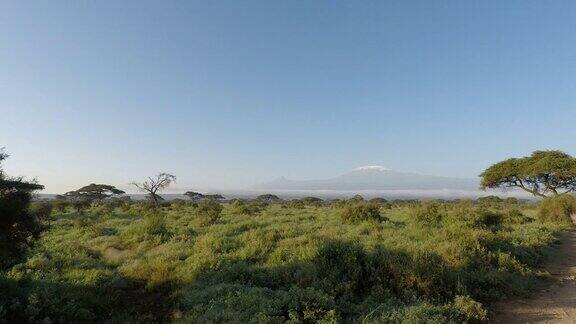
x=341, y=279
x=120, y=300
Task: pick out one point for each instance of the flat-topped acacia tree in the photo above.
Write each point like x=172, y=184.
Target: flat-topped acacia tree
x=154, y=185
x=193, y=195
x=543, y=174
x=94, y=192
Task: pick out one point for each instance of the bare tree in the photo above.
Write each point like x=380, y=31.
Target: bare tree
x=154, y=185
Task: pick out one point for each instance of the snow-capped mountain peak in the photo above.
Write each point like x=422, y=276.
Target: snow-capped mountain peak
x=372, y=168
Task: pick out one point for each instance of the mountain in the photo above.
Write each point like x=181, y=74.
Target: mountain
x=374, y=178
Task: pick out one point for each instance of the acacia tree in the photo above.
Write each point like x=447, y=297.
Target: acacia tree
x=17, y=225
x=154, y=185
x=543, y=174
x=94, y=192
x=193, y=195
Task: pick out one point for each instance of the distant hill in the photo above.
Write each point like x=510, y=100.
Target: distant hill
x=374, y=178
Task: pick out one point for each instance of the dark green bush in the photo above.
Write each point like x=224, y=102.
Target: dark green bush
x=558, y=209
x=358, y=212
x=81, y=205
x=59, y=205
x=208, y=211
x=486, y=219
x=18, y=225
x=41, y=209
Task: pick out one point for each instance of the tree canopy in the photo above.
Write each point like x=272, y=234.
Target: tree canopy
x=543, y=174
x=194, y=195
x=17, y=224
x=94, y=192
x=268, y=198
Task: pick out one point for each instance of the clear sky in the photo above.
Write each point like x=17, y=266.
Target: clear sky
x=225, y=94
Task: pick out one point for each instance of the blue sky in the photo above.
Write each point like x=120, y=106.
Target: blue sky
x=225, y=94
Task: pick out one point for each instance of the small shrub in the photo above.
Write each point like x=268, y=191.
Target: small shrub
x=354, y=213
x=41, y=209
x=468, y=309
x=243, y=208
x=208, y=211
x=515, y=216
x=383, y=203
x=557, y=209
x=427, y=213
x=487, y=219
x=342, y=266
x=155, y=225
x=60, y=206
x=312, y=201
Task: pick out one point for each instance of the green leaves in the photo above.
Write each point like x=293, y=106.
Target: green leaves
x=543, y=173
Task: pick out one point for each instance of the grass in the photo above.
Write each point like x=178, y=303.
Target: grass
x=292, y=262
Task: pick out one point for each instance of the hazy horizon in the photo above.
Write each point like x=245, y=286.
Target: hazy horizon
x=229, y=94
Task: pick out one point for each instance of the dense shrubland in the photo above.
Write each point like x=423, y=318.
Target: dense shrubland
x=304, y=260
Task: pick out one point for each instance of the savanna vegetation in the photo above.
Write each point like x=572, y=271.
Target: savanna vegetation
x=268, y=260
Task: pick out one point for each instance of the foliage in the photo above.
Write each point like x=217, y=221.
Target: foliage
x=357, y=199
x=428, y=212
x=18, y=225
x=284, y=264
x=194, y=196
x=155, y=225
x=41, y=209
x=378, y=200
x=93, y=192
x=268, y=198
x=541, y=174
x=208, y=211
x=360, y=211
x=558, y=209
x=241, y=207
x=312, y=201
x=294, y=204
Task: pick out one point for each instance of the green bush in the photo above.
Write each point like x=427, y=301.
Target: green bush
x=484, y=218
x=358, y=212
x=41, y=209
x=60, y=206
x=155, y=225
x=312, y=201
x=285, y=265
x=247, y=208
x=558, y=209
x=427, y=213
x=208, y=211
x=515, y=216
